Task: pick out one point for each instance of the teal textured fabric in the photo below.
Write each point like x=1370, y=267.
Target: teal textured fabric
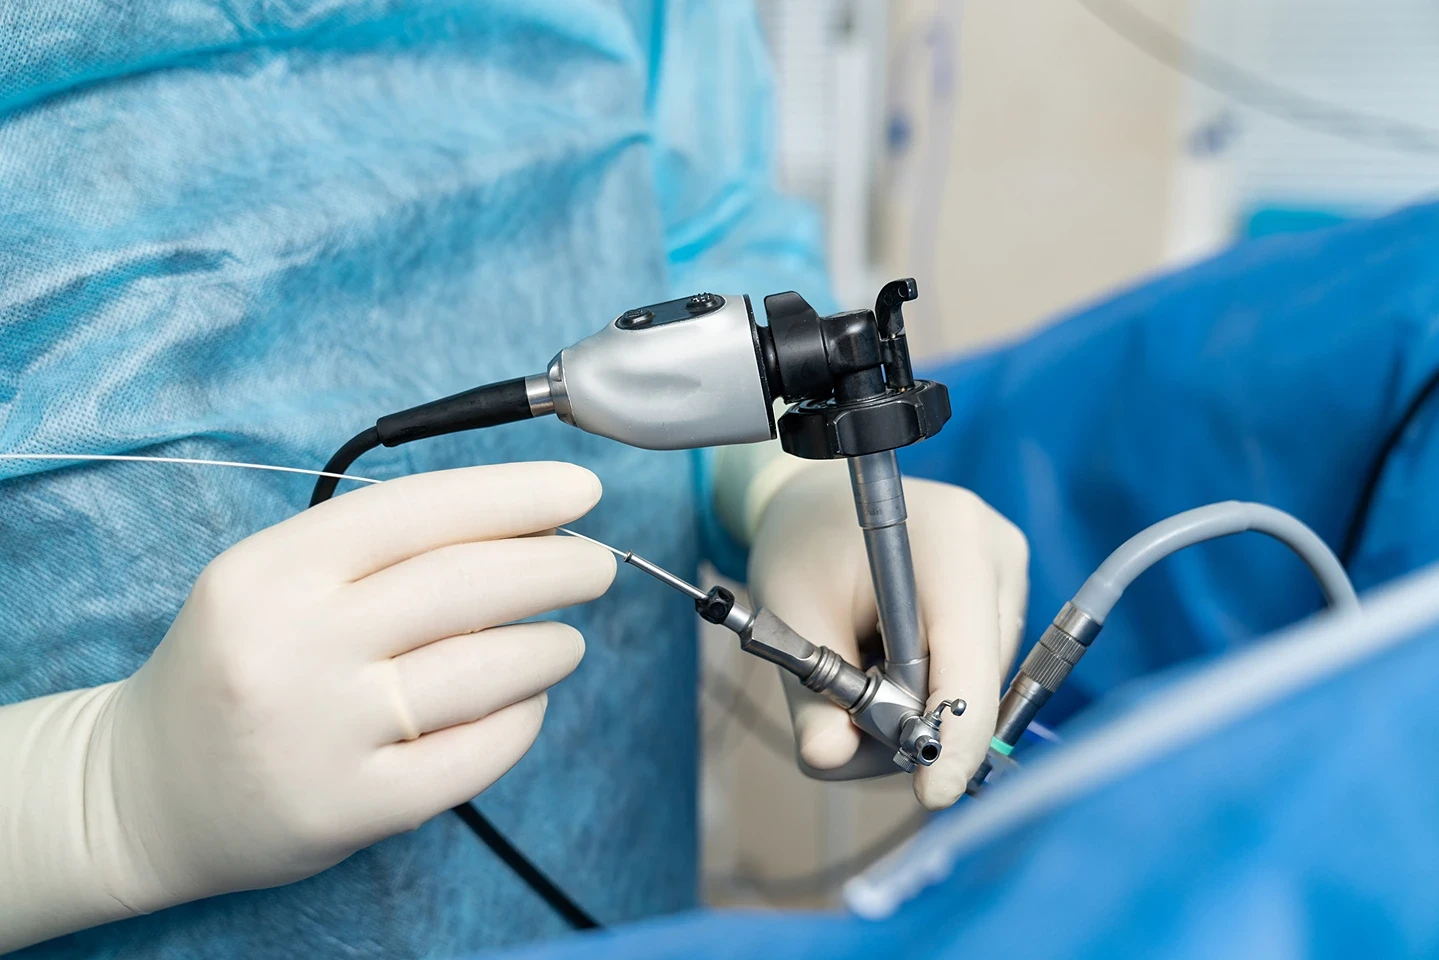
x=244, y=230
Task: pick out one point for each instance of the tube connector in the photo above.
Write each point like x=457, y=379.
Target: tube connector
x=1048, y=665
x=919, y=736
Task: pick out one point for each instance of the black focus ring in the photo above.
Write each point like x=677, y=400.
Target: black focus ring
x=827, y=430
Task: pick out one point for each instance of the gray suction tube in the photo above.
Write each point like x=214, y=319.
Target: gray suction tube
x=1140, y=552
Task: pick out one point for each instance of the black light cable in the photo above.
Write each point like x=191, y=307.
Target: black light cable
x=561, y=902
x=359, y=444
x=485, y=406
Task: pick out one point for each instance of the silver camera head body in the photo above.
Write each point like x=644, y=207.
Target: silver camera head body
x=671, y=376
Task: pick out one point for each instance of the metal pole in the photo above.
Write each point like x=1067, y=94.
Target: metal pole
x=879, y=502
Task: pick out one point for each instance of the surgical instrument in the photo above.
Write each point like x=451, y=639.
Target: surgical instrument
x=877, y=705
x=698, y=372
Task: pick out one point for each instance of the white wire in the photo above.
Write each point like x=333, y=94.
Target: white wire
x=186, y=460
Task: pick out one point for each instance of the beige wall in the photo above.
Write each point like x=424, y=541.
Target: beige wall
x=1062, y=158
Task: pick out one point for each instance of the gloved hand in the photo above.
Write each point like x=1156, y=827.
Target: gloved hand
x=330, y=681
x=808, y=565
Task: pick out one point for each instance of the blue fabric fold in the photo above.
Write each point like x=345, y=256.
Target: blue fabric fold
x=1271, y=373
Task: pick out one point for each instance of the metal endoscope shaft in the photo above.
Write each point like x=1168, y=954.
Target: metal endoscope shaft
x=879, y=502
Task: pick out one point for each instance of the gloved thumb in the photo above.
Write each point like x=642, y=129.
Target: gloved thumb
x=972, y=612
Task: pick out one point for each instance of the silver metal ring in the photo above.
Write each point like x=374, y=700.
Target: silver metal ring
x=1078, y=624
x=537, y=392
x=559, y=396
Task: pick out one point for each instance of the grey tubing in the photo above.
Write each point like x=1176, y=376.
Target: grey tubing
x=1143, y=550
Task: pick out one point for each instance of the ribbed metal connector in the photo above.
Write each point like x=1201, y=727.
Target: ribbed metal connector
x=1045, y=668
x=1059, y=648
x=825, y=671
x=1051, y=659
x=846, y=685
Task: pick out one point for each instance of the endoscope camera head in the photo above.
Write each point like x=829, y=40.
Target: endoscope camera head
x=700, y=372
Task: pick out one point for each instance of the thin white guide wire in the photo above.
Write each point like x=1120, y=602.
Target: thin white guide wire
x=188, y=460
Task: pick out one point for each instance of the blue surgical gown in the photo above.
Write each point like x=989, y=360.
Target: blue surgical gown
x=243, y=231
x=1307, y=829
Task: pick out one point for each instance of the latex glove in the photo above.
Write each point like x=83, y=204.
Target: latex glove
x=808, y=565
x=330, y=681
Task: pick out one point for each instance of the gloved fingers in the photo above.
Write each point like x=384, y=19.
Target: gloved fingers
x=803, y=596
x=472, y=586
x=464, y=678
x=1013, y=581
x=823, y=732
x=971, y=572
x=424, y=777
x=369, y=529
x=964, y=662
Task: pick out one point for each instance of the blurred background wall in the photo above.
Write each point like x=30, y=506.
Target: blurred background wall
x=1020, y=159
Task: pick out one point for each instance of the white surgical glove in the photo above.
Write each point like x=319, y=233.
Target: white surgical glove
x=808, y=565
x=335, y=679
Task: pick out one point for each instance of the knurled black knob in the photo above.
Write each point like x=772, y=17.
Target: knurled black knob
x=716, y=606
